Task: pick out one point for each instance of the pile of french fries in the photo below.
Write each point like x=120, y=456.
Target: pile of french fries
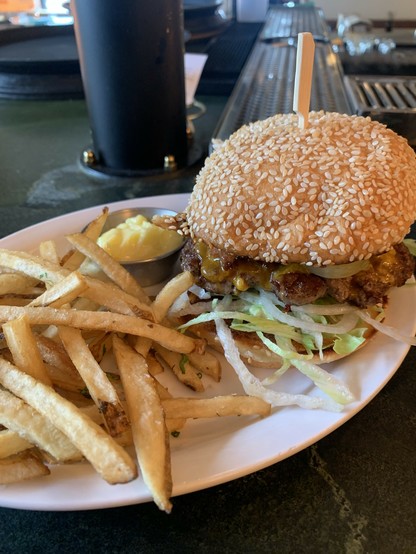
x=61, y=317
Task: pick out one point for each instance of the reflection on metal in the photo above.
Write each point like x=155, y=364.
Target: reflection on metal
x=284, y=22
x=169, y=163
x=88, y=157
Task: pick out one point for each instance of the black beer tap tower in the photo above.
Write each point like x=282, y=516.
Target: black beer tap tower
x=132, y=64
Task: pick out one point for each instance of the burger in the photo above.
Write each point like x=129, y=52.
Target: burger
x=295, y=237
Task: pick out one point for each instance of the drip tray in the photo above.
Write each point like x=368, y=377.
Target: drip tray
x=286, y=22
x=265, y=86
x=390, y=100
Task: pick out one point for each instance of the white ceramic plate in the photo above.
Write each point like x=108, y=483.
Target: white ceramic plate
x=211, y=452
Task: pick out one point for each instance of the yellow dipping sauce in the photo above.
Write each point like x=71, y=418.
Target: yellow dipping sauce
x=137, y=239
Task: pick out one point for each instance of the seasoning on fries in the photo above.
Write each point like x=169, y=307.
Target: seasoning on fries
x=82, y=355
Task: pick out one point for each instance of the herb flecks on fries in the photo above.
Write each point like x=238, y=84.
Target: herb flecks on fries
x=63, y=326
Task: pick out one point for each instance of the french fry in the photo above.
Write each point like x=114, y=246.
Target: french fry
x=12, y=443
x=100, y=388
x=102, y=295
x=125, y=439
x=100, y=345
x=155, y=367
x=48, y=251
x=147, y=418
x=181, y=368
x=207, y=362
x=109, y=459
x=92, y=231
x=15, y=301
x=170, y=292
x=219, y=406
x=161, y=305
x=115, y=299
x=142, y=345
x=174, y=424
x=24, y=349
x=32, y=426
x=20, y=467
x=59, y=365
x=93, y=413
x=104, y=321
x=85, y=305
x=32, y=266
x=96, y=226
x=114, y=270
x=62, y=292
x=16, y=283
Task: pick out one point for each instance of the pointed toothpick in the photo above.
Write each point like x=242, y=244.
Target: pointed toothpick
x=303, y=78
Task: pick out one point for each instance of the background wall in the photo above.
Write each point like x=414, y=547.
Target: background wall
x=370, y=9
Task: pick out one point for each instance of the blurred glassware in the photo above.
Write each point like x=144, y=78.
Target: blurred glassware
x=352, y=24
x=357, y=44
x=385, y=45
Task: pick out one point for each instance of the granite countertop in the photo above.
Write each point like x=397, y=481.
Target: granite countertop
x=351, y=492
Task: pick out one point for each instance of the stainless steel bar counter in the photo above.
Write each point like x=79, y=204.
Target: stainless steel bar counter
x=350, y=492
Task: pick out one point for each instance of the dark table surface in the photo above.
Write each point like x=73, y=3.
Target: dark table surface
x=352, y=492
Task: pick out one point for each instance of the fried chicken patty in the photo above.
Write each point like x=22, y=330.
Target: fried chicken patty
x=224, y=274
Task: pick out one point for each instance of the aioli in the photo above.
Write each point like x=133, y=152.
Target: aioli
x=136, y=239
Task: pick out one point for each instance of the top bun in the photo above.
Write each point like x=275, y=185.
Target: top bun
x=341, y=190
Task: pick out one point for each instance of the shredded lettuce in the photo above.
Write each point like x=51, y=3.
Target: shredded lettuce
x=246, y=322
x=344, y=324
x=333, y=387
x=288, y=353
x=256, y=312
x=294, y=335
x=348, y=342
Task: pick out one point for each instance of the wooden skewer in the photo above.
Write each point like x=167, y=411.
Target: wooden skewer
x=303, y=78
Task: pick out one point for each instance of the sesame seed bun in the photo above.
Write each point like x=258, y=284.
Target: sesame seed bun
x=342, y=190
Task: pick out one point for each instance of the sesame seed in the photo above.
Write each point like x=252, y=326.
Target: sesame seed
x=328, y=189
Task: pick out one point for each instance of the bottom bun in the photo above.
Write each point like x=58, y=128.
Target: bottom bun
x=255, y=353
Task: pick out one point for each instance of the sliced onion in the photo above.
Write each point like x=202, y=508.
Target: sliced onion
x=318, y=338
x=387, y=329
x=201, y=293
x=253, y=297
x=324, y=309
x=411, y=246
x=191, y=309
x=341, y=270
